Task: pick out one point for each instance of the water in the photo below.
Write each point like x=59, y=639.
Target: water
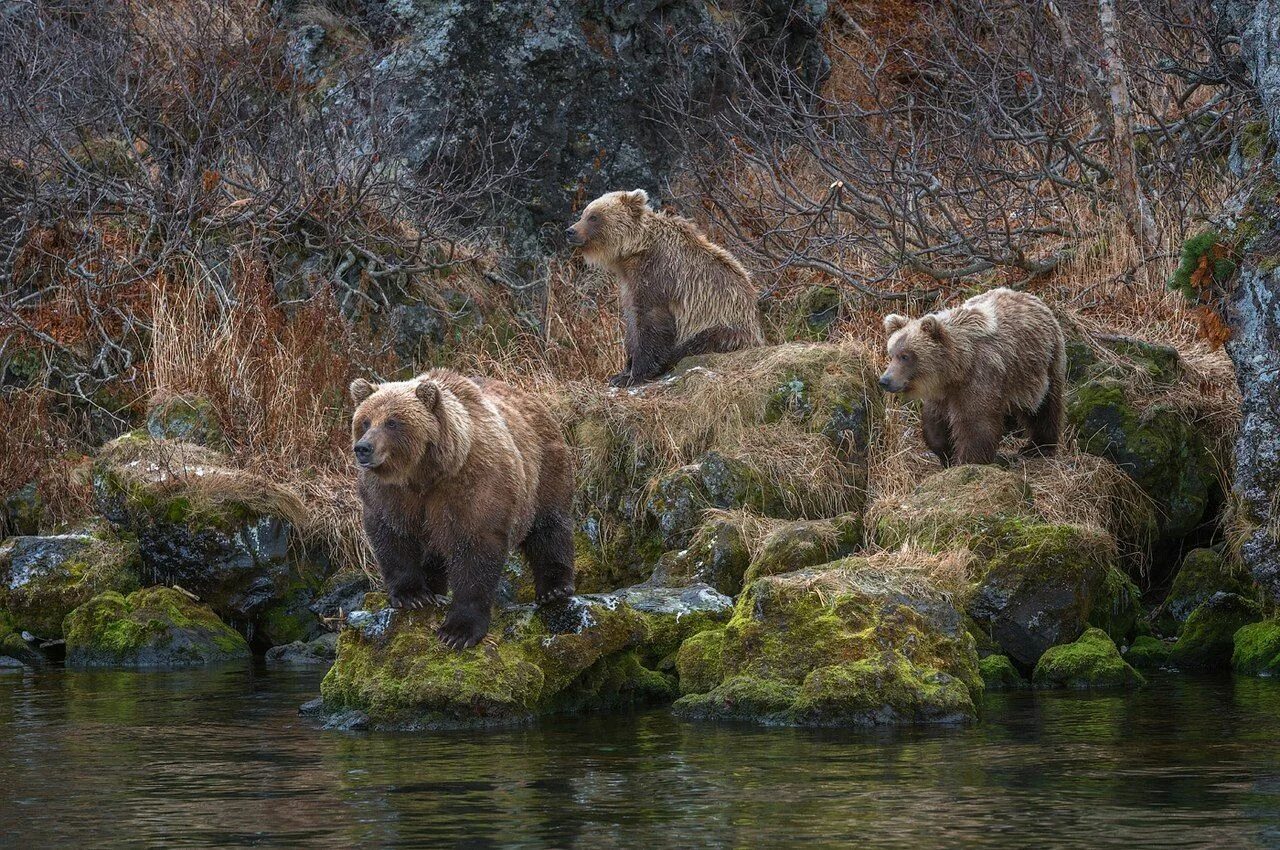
x=220, y=758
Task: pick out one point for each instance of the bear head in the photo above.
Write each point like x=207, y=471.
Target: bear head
x=611, y=227
x=919, y=356
x=398, y=425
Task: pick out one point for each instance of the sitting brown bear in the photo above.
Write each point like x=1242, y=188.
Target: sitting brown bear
x=1000, y=354
x=680, y=293
x=454, y=473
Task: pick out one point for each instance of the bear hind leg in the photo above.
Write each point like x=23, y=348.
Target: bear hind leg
x=716, y=340
x=549, y=549
x=1044, y=426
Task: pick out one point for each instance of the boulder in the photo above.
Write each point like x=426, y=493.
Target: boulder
x=717, y=555
x=153, y=627
x=22, y=511
x=999, y=674
x=1207, y=638
x=42, y=579
x=962, y=507
x=802, y=543
x=186, y=419
x=13, y=647
x=853, y=643
x=320, y=652
x=1091, y=662
x=1203, y=573
x=1148, y=653
x=1256, y=649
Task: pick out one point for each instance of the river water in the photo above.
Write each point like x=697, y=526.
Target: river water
x=220, y=758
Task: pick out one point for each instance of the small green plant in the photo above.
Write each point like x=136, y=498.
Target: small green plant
x=1204, y=261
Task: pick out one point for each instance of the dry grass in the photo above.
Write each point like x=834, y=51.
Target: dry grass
x=914, y=573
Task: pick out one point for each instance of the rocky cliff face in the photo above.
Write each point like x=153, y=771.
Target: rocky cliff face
x=1253, y=306
x=566, y=97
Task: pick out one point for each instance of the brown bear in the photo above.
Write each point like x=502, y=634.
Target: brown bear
x=680, y=293
x=456, y=472
x=1000, y=354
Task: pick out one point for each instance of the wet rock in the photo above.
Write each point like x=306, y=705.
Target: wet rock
x=1091, y=662
x=1203, y=573
x=153, y=627
x=999, y=674
x=1148, y=653
x=1256, y=649
x=842, y=646
x=315, y=653
x=187, y=419
x=674, y=614
x=717, y=555
x=343, y=595
x=579, y=655
x=11, y=665
x=42, y=579
x=13, y=645
x=1207, y=638
x=1157, y=445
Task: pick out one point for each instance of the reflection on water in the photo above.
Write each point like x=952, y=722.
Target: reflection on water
x=220, y=758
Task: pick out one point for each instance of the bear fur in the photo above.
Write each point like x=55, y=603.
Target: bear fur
x=455, y=473
x=680, y=293
x=999, y=357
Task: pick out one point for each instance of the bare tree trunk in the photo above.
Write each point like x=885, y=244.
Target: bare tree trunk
x=1124, y=159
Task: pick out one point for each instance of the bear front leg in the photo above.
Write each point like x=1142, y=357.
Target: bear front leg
x=474, y=570
x=400, y=562
x=549, y=548
x=937, y=432
x=655, y=339
x=976, y=428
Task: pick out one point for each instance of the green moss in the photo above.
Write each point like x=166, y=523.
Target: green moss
x=1257, y=649
x=189, y=419
x=717, y=555
x=156, y=626
x=1091, y=662
x=999, y=674
x=1207, y=638
x=616, y=681
x=805, y=543
x=1148, y=653
x=1203, y=573
x=42, y=579
x=831, y=647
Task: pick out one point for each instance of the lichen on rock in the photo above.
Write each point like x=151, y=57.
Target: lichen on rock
x=1091, y=662
x=152, y=627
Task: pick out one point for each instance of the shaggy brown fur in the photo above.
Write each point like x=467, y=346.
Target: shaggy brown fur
x=680, y=293
x=1000, y=354
x=455, y=472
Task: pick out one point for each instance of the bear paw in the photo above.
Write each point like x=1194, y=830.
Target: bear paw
x=416, y=601
x=462, y=630
x=622, y=379
x=556, y=594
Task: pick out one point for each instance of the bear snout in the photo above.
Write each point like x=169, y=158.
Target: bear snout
x=363, y=451
x=886, y=384
x=572, y=237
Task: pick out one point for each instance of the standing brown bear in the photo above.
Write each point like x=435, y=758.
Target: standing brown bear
x=454, y=473
x=1000, y=354
x=680, y=293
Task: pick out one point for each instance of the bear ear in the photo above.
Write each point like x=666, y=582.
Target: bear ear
x=637, y=199
x=895, y=322
x=931, y=326
x=360, y=389
x=428, y=393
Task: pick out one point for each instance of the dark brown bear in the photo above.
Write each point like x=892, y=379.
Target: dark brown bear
x=1000, y=355
x=680, y=293
x=455, y=473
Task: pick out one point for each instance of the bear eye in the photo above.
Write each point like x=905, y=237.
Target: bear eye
x=391, y=424
x=364, y=425
x=593, y=217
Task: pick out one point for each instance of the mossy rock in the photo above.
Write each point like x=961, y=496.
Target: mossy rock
x=1047, y=585
x=672, y=615
x=842, y=646
x=1164, y=452
x=13, y=646
x=1148, y=653
x=1203, y=573
x=999, y=674
x=42, y=579
x=1256, y=649
x=319, y=652
x=188, y=419
x=805, y=543
x=1207, y=639
x=717, y=555
x=1091, y=662
x=393, y=668
x=153, y=627
x=811, y=316
x=973, y=507
x=22, y=511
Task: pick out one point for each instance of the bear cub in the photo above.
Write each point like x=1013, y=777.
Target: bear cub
x=680, y=293
x=999, y=357
x=455, y=472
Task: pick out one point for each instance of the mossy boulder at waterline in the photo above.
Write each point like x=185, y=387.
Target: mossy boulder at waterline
x=320, y=652
x=781, y=430
x=1203, y=573
x=853, y=643
x=589, y=653
x=999, y=674
x=1148, y=653
x=153, y=627
x=1256, y=649
x=1157, y=444
x=42, y=579
x=12, y=645
x=1207, y=638
x=228, y=535
x=798, y=544
x=1091, y=662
